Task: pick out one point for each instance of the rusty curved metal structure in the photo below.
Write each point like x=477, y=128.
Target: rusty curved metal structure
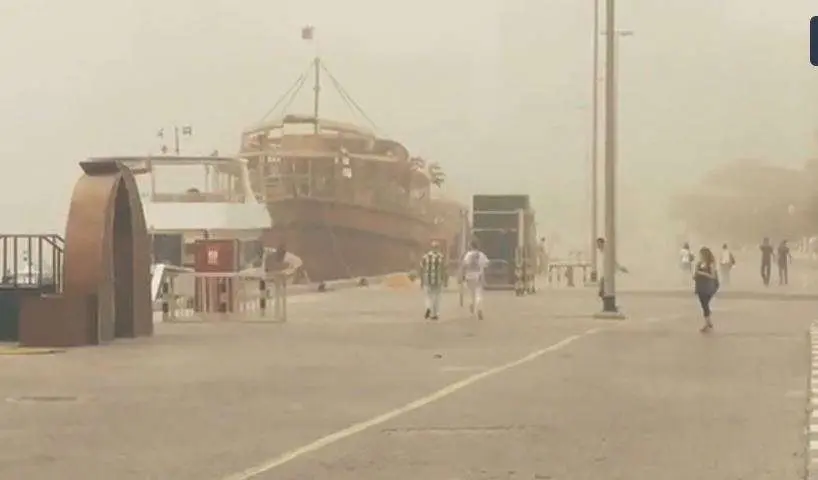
x=106, y=291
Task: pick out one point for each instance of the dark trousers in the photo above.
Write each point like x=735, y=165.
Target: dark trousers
x=783, y=274
x=765, y=272
x=704, y=301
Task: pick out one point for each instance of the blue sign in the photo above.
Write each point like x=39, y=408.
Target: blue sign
x=813, y=41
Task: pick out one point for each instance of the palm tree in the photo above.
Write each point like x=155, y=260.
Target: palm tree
x=438, y=177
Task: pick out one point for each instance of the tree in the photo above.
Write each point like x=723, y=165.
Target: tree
x=436, y=174
x=746, y=200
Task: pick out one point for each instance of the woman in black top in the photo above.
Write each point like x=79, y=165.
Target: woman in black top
x=707, y=283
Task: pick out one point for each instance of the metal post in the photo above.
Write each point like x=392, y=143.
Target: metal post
x=172, y=296
x=595, y=149
x=464, y=246
x=284, y=299
x=166, y=300
x=519, y=286
x=609, y=276
x=317, y=95
x=262, y=296
x=280, y=297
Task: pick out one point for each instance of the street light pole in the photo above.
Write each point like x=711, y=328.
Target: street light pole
x=609, y=275
x=595, y=148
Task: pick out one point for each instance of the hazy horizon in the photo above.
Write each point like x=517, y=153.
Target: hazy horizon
x=498, y=92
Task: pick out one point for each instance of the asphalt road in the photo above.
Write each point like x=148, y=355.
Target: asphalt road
x=357, y=385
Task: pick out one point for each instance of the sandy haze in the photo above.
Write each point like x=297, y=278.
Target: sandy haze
x=498, y=91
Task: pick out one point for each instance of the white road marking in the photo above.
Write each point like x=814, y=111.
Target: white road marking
x=461, y=368
x=280, y=460
x=812, y=427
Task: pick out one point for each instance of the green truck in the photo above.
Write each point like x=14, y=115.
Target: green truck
x=506, y=230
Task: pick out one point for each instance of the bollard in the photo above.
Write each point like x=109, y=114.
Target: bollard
x=262, y=296
x=518, y=274
x=280, y=298
x=165, y=300
x=221, y=287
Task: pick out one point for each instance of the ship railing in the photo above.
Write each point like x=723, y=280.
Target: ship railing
x=197, y=197
x=208, y=296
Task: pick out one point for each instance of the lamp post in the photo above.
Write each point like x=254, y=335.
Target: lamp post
x=595, y=147
x=609, y=307
x=595, y=130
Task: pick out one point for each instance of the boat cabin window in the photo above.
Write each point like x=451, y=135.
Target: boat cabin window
x=362, y=171
x=217, y=182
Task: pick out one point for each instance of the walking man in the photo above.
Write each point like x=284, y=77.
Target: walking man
x=432, y=276
x=473, y=265
x=281, y=266
x=726, y=264
x=766, y=260
x=784, y=258
x=686, y=261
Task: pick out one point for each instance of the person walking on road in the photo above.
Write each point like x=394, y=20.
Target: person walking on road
x=282, y=267
x=726, y=264
x=766, y=260
x=473, y=265
x=600, y=245
x=686, y=260
x=706, y=282
x=784, y=257
x=432, y=277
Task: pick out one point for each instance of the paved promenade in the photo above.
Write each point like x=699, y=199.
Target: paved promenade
x=358, y=386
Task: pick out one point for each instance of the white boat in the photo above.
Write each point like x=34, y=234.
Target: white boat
x=190, y=198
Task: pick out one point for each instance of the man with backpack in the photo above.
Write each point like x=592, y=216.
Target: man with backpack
x=726, y=264
x=473, y=267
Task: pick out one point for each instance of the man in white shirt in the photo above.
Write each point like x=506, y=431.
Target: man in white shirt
x=281, y=266
x=473, y=266
x=726, y=263
x=686, y=260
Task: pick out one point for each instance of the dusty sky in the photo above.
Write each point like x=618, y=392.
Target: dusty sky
x=498, y=91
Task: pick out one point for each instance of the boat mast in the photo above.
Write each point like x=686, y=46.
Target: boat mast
x=308, y=34
x=317, y=90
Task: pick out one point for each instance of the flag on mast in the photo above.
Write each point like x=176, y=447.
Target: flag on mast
x=307, y=32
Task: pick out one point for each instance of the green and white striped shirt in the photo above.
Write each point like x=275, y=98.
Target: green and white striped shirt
x=433, y=269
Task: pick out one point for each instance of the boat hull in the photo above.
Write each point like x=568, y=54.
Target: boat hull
x=340, y=240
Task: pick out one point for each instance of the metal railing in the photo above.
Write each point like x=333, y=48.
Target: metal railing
x=568, y=273
x=220, y=296
x=32, y=261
